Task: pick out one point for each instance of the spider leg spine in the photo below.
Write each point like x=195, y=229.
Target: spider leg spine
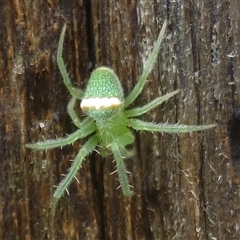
x=121, y=186
x=76, y=179
x=113, y=172
x=67, y=192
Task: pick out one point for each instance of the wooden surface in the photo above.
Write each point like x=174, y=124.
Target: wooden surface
x=186, y=186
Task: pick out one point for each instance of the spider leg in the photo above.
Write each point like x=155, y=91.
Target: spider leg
x=72, y=113
x=87, y=148
x=143, y=78
x=141, y=110
x=75, y=92
x=121, y=170
x=87, y=127
x=165, y=127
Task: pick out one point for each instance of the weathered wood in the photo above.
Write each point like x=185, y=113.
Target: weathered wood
x=186, y=186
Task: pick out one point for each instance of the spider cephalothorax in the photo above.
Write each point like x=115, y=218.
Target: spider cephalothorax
x=109, y=120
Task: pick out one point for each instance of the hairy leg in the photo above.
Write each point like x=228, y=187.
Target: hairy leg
x=165, y=127
x=150, y=63
x=75, y=92
x=87, y=128
x=141, y=110
x=122, y=175
x=86, y=149
x=72, y=113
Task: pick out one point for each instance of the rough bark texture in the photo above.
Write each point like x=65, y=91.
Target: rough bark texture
x=186, y=186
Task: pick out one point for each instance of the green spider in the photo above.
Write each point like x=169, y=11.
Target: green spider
x=109, y=120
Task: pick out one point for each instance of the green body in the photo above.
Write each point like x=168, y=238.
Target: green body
x=103, y=83
x=108, y=122
x=115, y=130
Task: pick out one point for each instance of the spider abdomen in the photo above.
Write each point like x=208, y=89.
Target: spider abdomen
x=104, y=95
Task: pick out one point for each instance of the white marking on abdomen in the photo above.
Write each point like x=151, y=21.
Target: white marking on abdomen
x=100, y=103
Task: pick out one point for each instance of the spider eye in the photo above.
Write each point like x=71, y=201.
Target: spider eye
x=104, y=95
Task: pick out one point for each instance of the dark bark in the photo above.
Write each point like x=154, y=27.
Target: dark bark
x=186, y=186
